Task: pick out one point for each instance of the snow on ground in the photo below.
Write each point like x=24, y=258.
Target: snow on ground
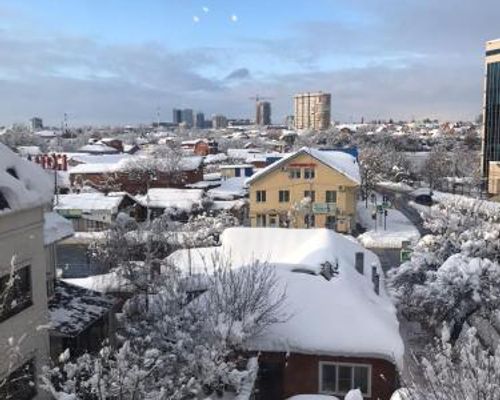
x=399, y=228
x=230, y=189
x=343, y=316
x=395, y=186
x=23, y=184
x=56, y=228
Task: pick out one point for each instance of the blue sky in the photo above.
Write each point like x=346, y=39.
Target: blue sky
x=116, y=61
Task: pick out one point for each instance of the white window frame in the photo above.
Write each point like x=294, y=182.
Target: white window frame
x=342, y=364
x=309, y=173
x=294, y=173
x=260, y=196
x=286, y=196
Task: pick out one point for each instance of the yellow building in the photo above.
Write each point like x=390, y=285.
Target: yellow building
x=309, y=188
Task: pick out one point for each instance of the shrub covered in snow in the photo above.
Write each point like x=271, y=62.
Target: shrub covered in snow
x=453, y=272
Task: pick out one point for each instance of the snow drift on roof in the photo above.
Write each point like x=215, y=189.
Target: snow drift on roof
x=88, y=202
x=343, y=316
x=56, y=228
x=23, y=184
x=181, y=199
x=337, y=160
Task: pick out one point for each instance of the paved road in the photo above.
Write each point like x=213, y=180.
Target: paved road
x=389, y=258
x=400, y=201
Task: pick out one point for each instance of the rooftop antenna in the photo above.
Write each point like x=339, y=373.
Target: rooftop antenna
x=157, y=117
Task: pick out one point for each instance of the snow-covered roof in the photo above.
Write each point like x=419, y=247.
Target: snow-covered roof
x=337, y=160
x=47, y=133
x=242, y=154
x=88, y=202
x=215, y=158
x=341, y=317
x=97, y=158
x=191, y=163
x=233, y=166
x=98, y=148
x=56, y=228
x=181, y=199
x=105, y=283
x=29, y=150
x=23, y=184
x=229, y=189
x=73, y=309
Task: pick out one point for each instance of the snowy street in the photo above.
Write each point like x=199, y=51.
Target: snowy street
x=398, y=227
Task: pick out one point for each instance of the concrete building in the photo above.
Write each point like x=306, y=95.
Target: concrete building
x=36, y=124
x=306, y=189
x=188, y=117
x=219, y=121
x=176, y=116
x=312, y=110
x=25, y=189
x=200, y=120
x=491, y=116
x=263, y=113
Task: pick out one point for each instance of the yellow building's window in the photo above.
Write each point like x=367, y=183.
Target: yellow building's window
x=284, y=196
x=311, y=194
x=294, y=173
x=309, y=173
x=260, y=219
x=261, y=196
x=331, y=196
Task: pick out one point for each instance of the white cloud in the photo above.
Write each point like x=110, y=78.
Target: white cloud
x=205, y=9
x=234, y=18
x=196, y=18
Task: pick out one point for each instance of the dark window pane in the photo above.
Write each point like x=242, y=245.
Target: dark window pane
x=345, y=379
x=361, y=379
x=328, y=378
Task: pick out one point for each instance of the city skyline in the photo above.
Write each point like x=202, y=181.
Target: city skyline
x=117, y=62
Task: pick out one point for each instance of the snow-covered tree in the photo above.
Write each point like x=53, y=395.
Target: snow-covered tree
x=462, y=372
x=453, y=272
x=182, y=342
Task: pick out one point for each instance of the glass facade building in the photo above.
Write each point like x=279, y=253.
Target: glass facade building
x=491, y=146
x=491, y=109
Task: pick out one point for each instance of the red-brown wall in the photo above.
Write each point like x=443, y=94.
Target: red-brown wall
x=301, y=374
x=124, y=182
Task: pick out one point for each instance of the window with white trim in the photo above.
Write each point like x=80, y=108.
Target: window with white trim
x=339, y=378
x=284, y=196
x=260, y=219
x=261, y=196
x=309, y=173
x=294, y=173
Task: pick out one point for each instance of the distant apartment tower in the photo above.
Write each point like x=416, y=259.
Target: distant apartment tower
x=200, y=120
x=490, y=155
x=219, y=121
x=263, y=113
x=36, y=124
x=312, y=110
x=188, y=117
x=176, y=116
